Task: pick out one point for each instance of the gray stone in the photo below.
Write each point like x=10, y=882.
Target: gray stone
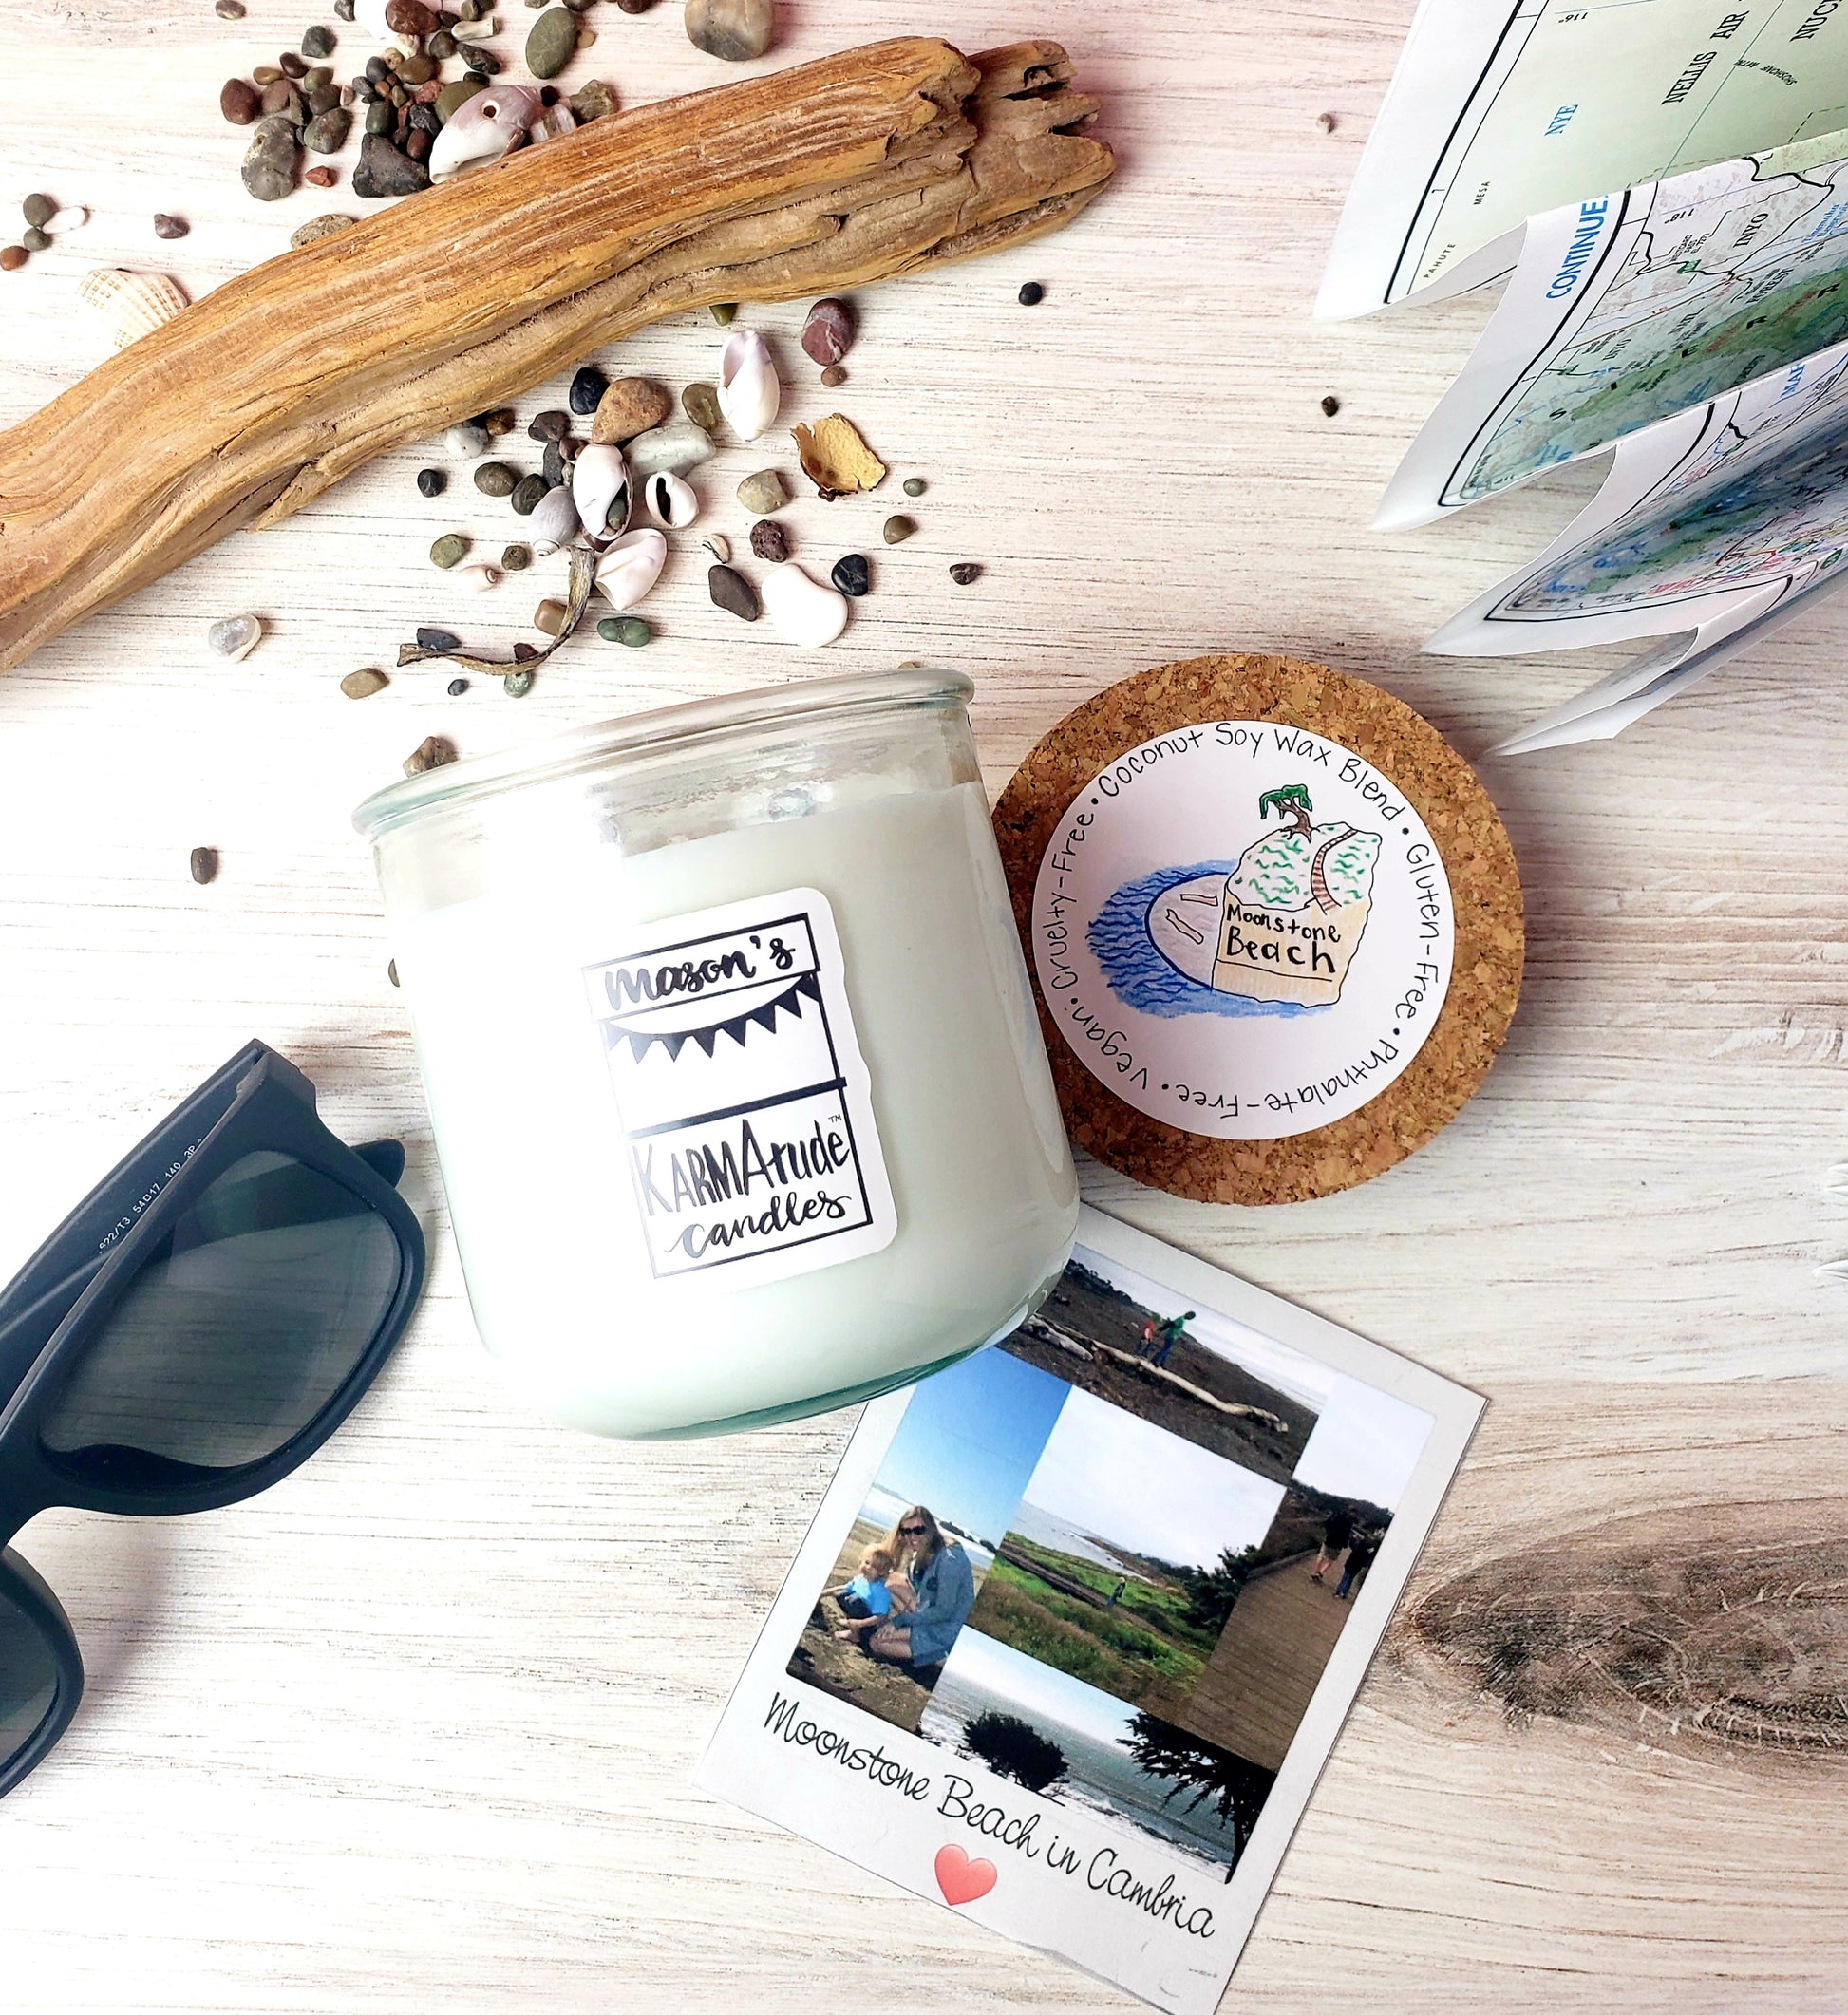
x=383, y=171
x=738, y=31
x=465, y=439
x=552, y=42
x=702, y=406
x=675, y=448
x=764, y=493
x=327, y=227
x=325, y=133
x=269, y=170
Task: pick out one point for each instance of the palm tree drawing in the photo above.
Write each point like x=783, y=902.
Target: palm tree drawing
x=1291, y=802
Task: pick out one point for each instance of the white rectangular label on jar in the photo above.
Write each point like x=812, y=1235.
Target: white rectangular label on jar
x=745, y=1105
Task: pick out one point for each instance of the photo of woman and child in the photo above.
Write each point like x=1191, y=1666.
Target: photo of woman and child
x=911, y=1593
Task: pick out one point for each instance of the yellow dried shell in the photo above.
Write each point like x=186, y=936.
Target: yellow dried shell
x=129, y=305
x=835, y=458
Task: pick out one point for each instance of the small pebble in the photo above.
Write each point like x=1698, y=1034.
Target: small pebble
x=380, y=118
x=204, y=864
x=432, y=482
x=499, y=421
x=898, y=529
x=764, y=493
x=430, y=753
x=828, y=331
x=324, y=177
x=1032, y=294
x=438, y=640
x=833, y=375
x=391, y=965
x=465, y=439
x=451, y=98
x=343, y=10
x=525, y=654
x=363, y=685
x=552, y=426
x=517, y=684
x=38, y=210
x=552, y=42
x=235, y=636
x=456, y=687
x=553, y=465
x=549, y=617
x=718, y=545
x=595, y=100
x=732, y=592
x=318, y=226
x=628, y=407
x=442, y=46
x=635, y=6
x=34, y=240
x=769, y=541
x=239, y=102
x=737, y=30
x=515, y=559
x=1330, y=405
x=1325, y=120
x=269, y=167
x=229, y=10
x=723, y=312
x=527, y=492
x=629, y=630
x=450, y=550
x=12, y=258
x=382, y=170
x=495, y=479
x=914, y=486
x=849, y=573
x=317, y=45
x=964, y=572
x=586, y=36
x=293, y=67
x=325, y=133
x=587, y=387
x=265, y=73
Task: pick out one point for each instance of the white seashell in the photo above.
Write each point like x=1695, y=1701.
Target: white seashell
x=630, y=567
x=129, y=305
x=482, y=128
x=478, y=577
x=718, y=545
x=749, y=392
x=476, y=31
x=600, y=488
x=553, y=522
x=235, y=636
x=73, y=216
x=672, y=502
x=551, y=123
x=802, y=610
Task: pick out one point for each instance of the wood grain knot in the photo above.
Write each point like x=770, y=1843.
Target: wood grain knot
x=1723, y=1622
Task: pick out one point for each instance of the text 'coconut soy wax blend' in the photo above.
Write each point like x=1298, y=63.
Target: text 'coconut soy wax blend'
x=737, y=1086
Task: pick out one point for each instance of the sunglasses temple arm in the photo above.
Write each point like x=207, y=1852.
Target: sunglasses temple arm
x=385, y=1158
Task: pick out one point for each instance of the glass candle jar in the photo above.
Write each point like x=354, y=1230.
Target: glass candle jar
x=736, y=1081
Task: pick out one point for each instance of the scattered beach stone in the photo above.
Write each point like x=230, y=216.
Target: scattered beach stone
x=556, y=463
x=391, y=965
x=363, y=685
x=1325, y=120
x=383, y=171
x=526, y=494
x=764, y=493
x=552, y=43
x=450, y=99
x=499, y=421
x=450, y=550
x=456, y=687
x=265, y=73
x=411, y=17
x=465, y=439
x=327, y=227
x=833, y=376
x=239, y=102
x=343, y=10
x=635, y=6
x=495, y=479
x=325, y=133
x=318, y=44
x=552, y=424
x=828, y=331
x=1331, y=406
x=38, y=210
x=964, y=572
x=438, y=640
x=898, y=528
x=595, y=100
x=269, y=170
x=515, y=559
x=769, y=541
x=732, y=592
x=12, y=258
x=629, y=630
x=382, y=117
x=626, y=409
x=230, y=10
x=850, y=574
x=416, y=145
x=549, y=617
x=282, y=97
x=588, y=387
x=525, y=654
x=701, y=405
x=1032, y=294
x=442, y=46
x=432, y=482
x=723, y=312
x=323, y=177
x=203, y=861
x=430, y=753
x=34, y=240
x=517, y=684
x=738, y=31
x=914, y=486
x=235, y=636
x=586, y=36
x=674, y=449
x=293, y=67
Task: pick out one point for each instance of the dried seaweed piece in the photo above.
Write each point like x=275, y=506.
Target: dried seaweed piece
x=835, y=458
x=583, y=579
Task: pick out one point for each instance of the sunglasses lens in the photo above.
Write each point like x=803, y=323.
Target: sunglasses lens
x=28, y=1676
x=241, y=1325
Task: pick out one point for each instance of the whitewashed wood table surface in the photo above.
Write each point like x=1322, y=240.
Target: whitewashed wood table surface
x=413, y=1731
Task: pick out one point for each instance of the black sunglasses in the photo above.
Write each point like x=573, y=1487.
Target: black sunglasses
x=192, y=1332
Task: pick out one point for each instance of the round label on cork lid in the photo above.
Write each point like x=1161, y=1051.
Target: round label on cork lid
x=1243, y=929
x=1273, y=921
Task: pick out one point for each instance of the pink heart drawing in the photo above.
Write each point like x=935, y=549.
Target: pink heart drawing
x=961, y=1879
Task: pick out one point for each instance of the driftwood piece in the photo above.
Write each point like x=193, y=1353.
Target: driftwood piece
x=878, y=161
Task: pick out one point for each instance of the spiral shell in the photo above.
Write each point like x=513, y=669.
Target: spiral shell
x=129, y=305
x=482, y=128
x=749, y=392
x=553, y=522
x=630, y=566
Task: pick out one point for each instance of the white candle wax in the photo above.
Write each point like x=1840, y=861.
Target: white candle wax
x=531, y=1133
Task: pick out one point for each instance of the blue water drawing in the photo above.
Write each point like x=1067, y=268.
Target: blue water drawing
x=1140, y=977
